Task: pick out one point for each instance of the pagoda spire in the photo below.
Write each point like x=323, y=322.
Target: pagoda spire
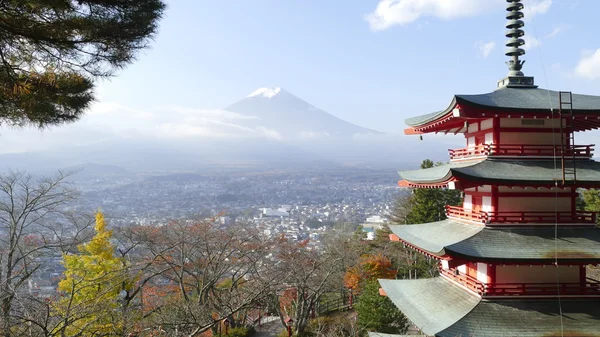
x=515, y=34
x=515, y=41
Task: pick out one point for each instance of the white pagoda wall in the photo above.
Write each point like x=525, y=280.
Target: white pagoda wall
x=487, y=124
x=533, y=204
x=485, y=201
x=468, y=202
x=549, y=134
x=518, y=123
x=539, y=138
x=536, y=274
x=445, y=265
x=482, y=275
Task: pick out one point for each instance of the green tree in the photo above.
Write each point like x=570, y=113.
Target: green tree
x=591, y=201
x=378, y=313
x=427, y=204
x=422, y=206
x=51, y=51
x=93, y=288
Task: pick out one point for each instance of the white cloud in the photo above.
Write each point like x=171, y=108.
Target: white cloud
x=219, y=114
x=313, y=134
x=401, y=12
x=589, y=65
x=557, y=30
x=109, y=120
x=533, y=8
x=531, y=42
x=268, y=133
x=485, y=48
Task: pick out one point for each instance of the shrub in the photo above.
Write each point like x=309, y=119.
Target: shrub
x=240, y=332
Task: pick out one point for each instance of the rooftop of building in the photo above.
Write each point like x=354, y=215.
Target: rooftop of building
x=516, y=244
x=506, y=171
x=443, y=309
x=516, y=100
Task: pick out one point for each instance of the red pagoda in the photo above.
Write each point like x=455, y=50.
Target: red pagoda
x=513, y=257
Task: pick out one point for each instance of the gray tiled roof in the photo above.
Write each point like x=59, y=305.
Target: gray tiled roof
x=424, y=119
x=483, y=244
x=531, y=244
x=431, y=304
x=435, y=236
x=440, y=308
x=380, y=334
x=529, y=318
x=515, y=99
x=506, y=171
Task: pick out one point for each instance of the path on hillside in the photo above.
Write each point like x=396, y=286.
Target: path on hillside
x=270, y=327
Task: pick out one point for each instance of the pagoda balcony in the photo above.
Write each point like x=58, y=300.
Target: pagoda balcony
x=579, y=217
x=587, y=288
x=522, y=150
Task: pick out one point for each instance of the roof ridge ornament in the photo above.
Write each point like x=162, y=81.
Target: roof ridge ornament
x=515, y=41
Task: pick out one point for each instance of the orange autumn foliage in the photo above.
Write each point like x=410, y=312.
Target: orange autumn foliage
x=368, y=267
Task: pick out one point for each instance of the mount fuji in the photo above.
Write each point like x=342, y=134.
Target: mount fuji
x=269, y=128
x=292, y=118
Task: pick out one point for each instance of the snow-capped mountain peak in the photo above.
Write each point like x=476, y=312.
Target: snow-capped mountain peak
x=292, y=118
x=266, y=92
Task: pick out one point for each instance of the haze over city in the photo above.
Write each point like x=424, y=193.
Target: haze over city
x=371, y=64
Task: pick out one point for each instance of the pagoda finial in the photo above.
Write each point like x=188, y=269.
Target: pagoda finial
x=515, y=34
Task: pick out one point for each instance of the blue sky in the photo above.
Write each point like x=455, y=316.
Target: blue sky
x=370, y=62
x=209, y=54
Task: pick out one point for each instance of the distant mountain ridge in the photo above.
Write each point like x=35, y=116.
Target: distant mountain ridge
x=270, y=128
x=278, y=110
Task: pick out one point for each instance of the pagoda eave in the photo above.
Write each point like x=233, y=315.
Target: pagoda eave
x=451, y=183
x=439, y=307
x=505, y=172
x=454, y=240
x=506, y=103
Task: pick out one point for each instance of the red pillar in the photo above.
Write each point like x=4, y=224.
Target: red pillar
x=496, y=130
x=582, y=275
x=494, y=198
x=491, y=273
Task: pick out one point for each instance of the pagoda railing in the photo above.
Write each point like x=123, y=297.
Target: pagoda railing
x=466, y=281
x=541, y=217
x=465, y=214
x=518, y=150
x=589, y=287
x=522, y=217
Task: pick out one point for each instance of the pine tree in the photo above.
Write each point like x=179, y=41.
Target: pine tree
x=93, y=287
x=378, y=313
x=428, y=204
x=50, y=52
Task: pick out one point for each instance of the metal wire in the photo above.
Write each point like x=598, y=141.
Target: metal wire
x=555, y=171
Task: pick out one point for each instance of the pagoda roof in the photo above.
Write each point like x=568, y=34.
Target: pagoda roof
x=441, y=308
x=507, y=171
x=521, y=101
x=516, y=244
x=432, y=304
x=381, y=334
x=434, y=237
